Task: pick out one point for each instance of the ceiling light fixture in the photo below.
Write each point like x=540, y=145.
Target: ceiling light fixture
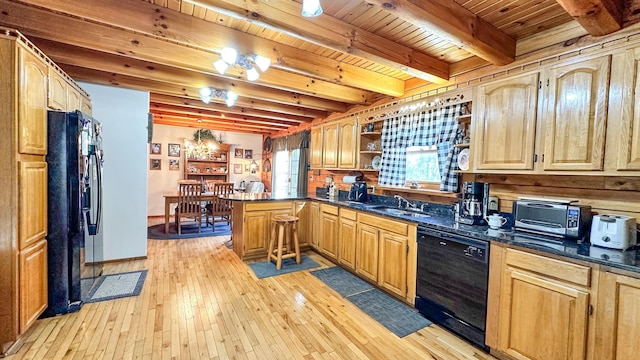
x=207, y=93
x=311, y=8
x=229, y=56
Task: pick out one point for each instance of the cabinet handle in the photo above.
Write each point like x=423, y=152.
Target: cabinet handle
x=535, y=157
x=590, y=310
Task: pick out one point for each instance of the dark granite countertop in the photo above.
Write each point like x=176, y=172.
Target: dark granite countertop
x=441, y=217
x=262, y=196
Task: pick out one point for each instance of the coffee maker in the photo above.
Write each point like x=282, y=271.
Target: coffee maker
x=472, y=207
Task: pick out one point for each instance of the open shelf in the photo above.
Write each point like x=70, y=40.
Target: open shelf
x=465, y=145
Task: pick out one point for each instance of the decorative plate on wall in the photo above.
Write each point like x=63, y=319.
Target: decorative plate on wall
x=376, y=162
x=463, y=160
x=267, y=165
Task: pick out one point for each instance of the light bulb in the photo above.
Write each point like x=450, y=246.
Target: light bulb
x=221, y=66
x=262, y=62
x=231, y=98
x=311, y=8
x=229, y=55
x=252, y=74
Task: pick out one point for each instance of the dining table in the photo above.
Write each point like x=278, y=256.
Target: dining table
x=171, y=197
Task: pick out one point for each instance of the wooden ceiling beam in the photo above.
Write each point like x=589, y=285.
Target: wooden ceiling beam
x=451, y=21
x=151, y=19
x=105, y=78
x=219, y=123
x=598, y=17
x=235, y=110
x=324, y=30
x=206, y=123
x=46, y=24
x=230, y=117
x=87, y=58
x=217, y=119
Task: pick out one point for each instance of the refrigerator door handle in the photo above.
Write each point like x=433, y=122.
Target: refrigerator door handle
x=93, y=228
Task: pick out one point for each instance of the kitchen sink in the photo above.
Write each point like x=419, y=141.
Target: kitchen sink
x=401, y=212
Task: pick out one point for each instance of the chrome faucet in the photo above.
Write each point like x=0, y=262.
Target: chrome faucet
x=408, y=204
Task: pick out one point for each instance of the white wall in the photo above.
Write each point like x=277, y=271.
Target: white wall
x=167, y=180
x=123, y=113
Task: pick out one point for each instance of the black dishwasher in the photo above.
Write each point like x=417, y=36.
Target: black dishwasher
x=452, y=281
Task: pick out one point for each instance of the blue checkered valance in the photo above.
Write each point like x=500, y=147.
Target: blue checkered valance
x=425, y=128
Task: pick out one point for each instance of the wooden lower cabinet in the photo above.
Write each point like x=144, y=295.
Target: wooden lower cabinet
x=367, y=244
x=252, y=226
x=302, y=211
x=542, y=306
x=618, y=317
x=329, y=230
x=314, y=221
x=33, y=283
x=347, y=231
x=392, y=271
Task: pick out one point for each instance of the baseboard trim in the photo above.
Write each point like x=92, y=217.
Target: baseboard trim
x=117, y=260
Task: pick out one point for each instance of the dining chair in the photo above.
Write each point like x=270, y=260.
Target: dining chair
x=189, y=204
x=255, y=187
x=219, y=209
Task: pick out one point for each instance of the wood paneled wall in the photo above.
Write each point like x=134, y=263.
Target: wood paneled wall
x=605, y=194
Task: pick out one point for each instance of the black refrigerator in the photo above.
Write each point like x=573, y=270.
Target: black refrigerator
x=75, y=159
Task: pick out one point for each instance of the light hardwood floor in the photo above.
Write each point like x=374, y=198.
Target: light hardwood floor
x=200, y=301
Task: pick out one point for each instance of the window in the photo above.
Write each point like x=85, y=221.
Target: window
x=422, y=165
x=285, y=172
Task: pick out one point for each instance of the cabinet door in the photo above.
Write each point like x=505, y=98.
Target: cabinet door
x=32, y=105
x=576, y=116
x=347, y=248
x=33, y=283
x=348, y=145
x=303, y=210
x=392, y=274
x=629, y=140
x=506, y=124
x=618, y=324
x=33, y=202
x=541, y=319
x=316, y=147
x=314, y=216
x=57, y=94
x=367, y=251
x=258, y=233
x=329, y=240
x=73, y=99
x=85, y=105
x=330, y=146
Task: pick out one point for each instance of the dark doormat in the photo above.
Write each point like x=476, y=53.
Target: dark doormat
x=267, y=269
x=115, y=286
x=189, y=231
x=396, y=316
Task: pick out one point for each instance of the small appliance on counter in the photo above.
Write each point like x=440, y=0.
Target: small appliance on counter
x=358, y=191
x=613, y=231
x=472, y=207
x=554, y=217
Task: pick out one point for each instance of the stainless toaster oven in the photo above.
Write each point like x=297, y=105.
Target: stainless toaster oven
x=552, y=218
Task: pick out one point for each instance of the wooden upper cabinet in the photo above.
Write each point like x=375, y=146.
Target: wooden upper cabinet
x=33, y=202
x=628, y=152
x=73, y=99
x=32, y=107
x=316, y=147
x=348, y=144
x=330, y=146
x=85, y=105
x=575, y=119
x=506, y=123
x=57, y=91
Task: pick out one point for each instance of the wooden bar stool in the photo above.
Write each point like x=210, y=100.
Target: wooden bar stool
x=285, y=227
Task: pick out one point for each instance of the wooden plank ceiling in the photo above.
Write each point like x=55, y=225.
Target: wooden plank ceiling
x=355, y=53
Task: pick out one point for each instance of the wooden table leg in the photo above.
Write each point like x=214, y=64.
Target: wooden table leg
x=166, y=215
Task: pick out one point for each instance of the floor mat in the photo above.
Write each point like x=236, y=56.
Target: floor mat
x=396, y=316
x=267, y=269
x=115, y=286
x=189, y=231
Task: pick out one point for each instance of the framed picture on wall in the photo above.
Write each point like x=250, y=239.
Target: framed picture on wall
x=155, y=149
x=237, y=168
x=174, y=164
x=246, y=167
x=248, y=154
x=155, y=164
x=174, y=150
x=239, y=153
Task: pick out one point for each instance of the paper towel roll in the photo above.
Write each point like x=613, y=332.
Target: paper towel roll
x=349, y=179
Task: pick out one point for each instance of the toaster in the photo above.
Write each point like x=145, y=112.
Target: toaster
x=613, y=231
